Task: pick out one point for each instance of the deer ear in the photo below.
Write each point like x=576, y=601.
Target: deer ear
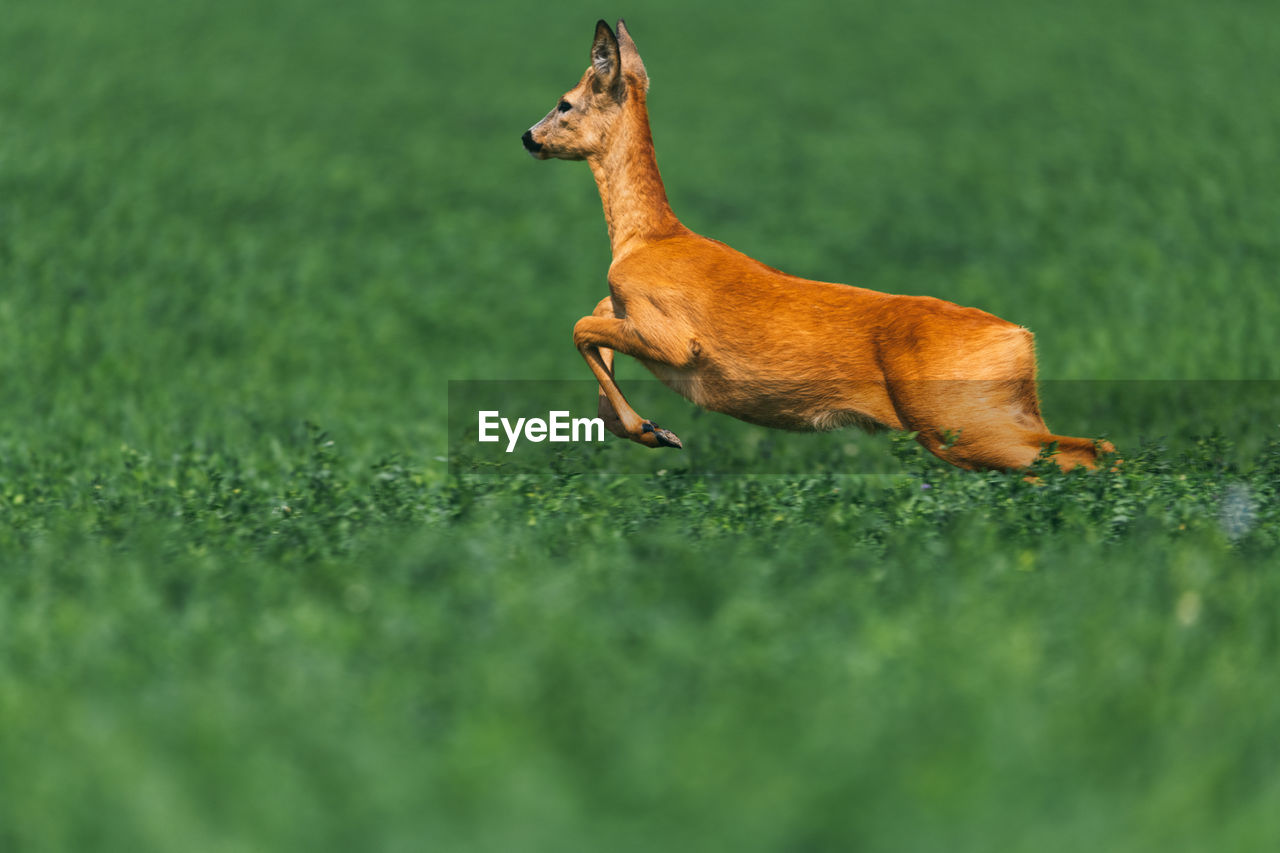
x=606, y=60
x=630, y=56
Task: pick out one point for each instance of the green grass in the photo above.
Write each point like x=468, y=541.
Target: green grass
x=259, y=591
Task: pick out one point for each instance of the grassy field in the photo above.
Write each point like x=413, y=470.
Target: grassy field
x=260, y=590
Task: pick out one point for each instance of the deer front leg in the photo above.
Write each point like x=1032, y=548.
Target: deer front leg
x=596, y=337
x=604, y=308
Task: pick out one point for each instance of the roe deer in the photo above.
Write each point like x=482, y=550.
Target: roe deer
x=739, y=337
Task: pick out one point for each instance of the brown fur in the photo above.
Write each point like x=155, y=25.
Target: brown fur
x=736, y=336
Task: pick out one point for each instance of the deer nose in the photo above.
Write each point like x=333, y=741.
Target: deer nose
x=529, y=144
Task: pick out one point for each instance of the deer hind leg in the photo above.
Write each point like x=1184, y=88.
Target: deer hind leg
x=1013, y=449
x=596, y=337
x=1075, y=452
x=988, y=424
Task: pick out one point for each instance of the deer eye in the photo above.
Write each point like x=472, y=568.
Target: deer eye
x=565, y=106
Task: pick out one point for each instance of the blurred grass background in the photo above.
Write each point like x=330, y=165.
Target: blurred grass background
x=224, y=629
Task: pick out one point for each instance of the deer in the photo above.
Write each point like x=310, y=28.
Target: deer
x=736, y=336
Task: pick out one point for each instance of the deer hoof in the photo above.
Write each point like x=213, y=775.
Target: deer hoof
x=662, y=437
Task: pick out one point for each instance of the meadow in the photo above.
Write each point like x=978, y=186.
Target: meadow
x=261, y=590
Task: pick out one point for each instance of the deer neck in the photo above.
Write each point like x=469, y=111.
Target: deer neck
x=626, y=172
